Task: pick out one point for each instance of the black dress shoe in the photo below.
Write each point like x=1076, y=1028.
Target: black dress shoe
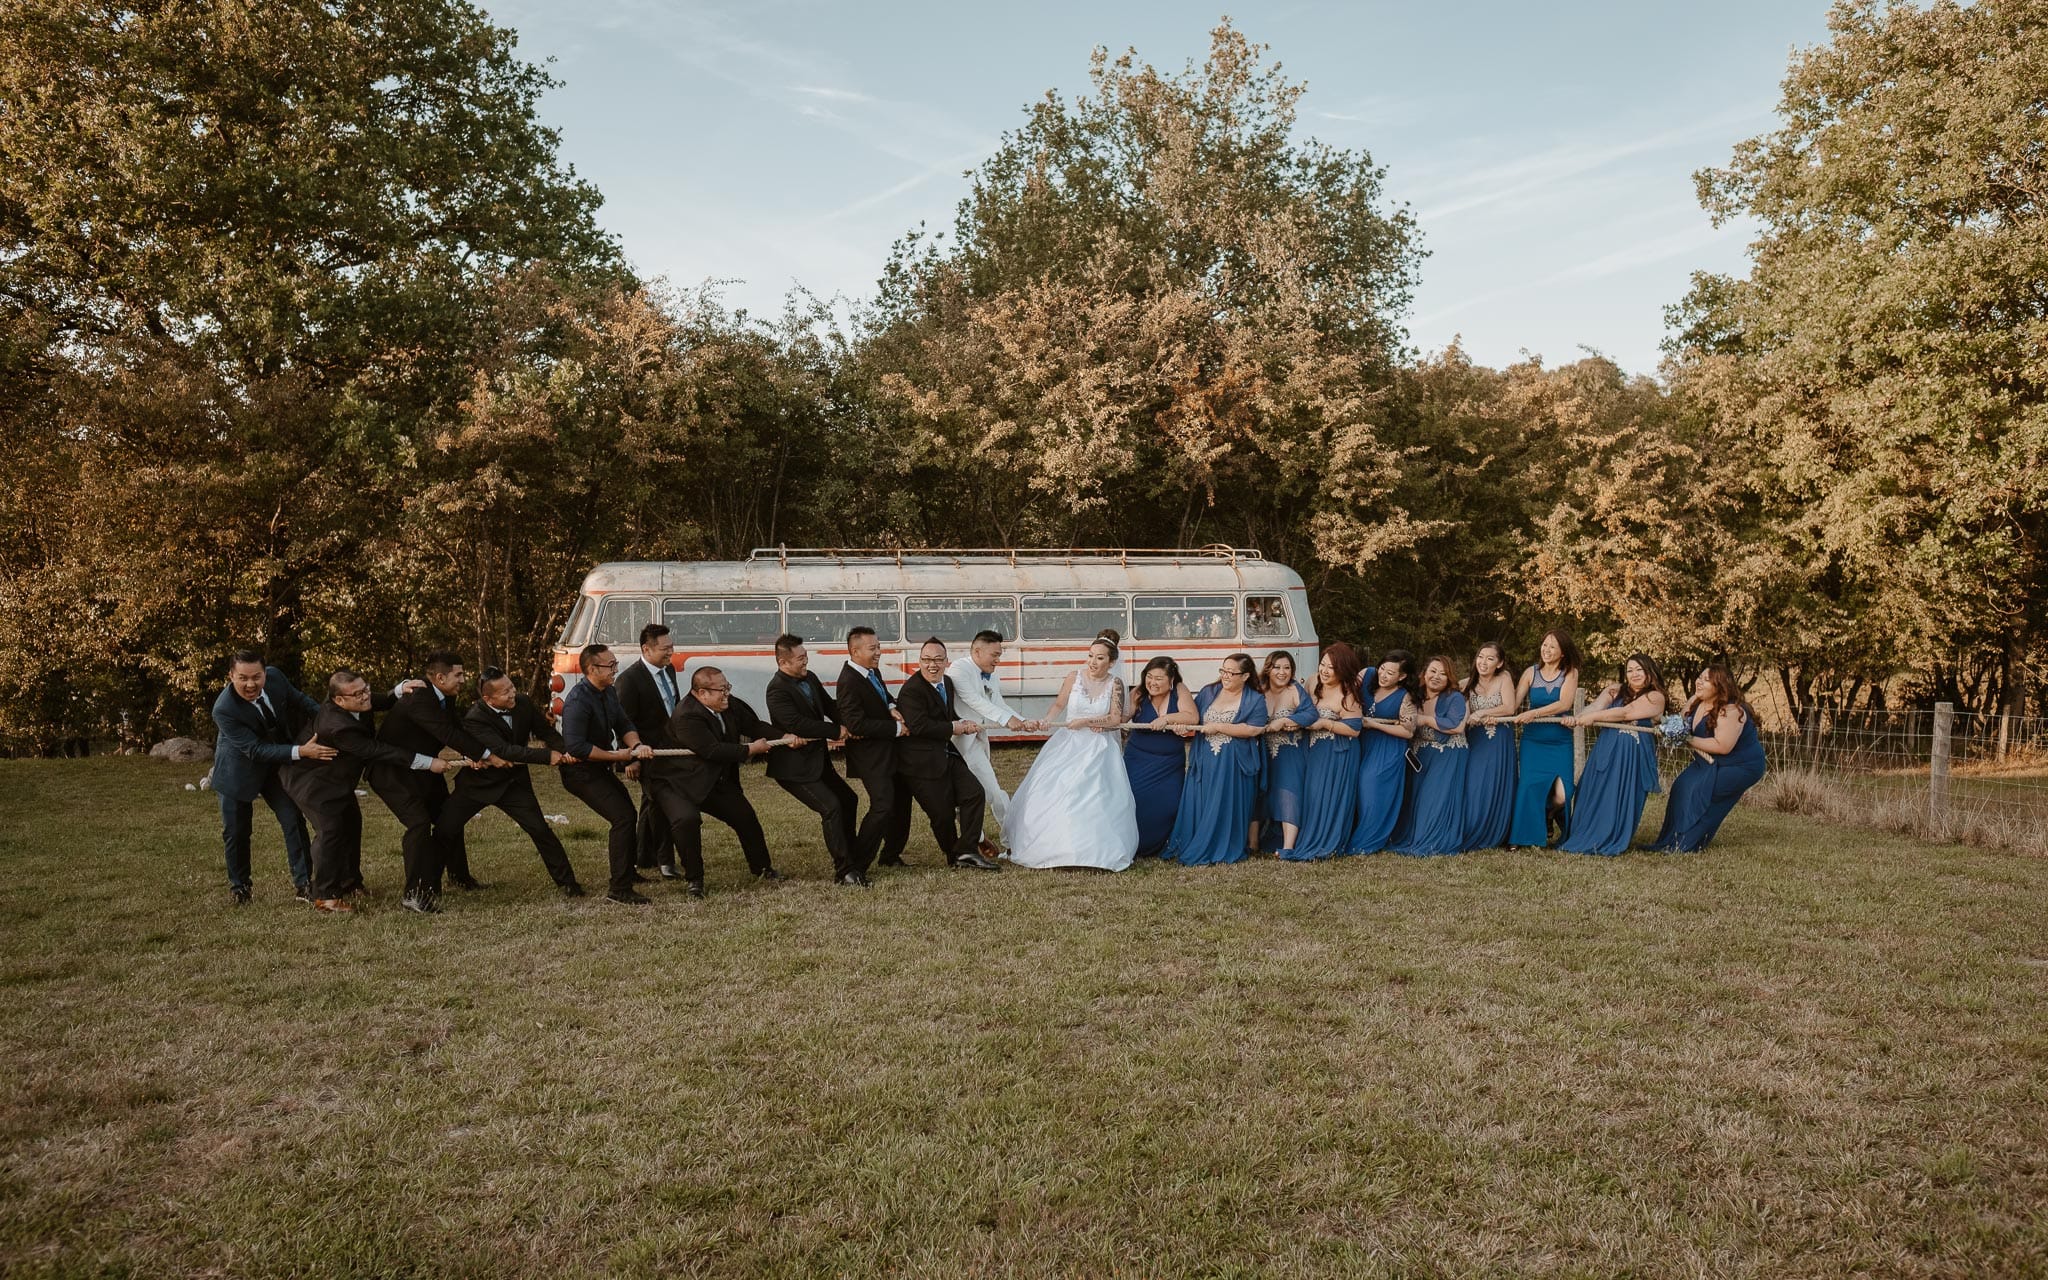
x=694, y=888
x=421, y=901
x=767, y=873
x=670, y=873
x=572, y=890
x=855, y=880
x=628, y=898
x=240, y=897
x=304, y=892
x=974, y=861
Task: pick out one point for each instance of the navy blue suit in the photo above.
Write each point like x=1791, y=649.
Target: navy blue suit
x=245, y=761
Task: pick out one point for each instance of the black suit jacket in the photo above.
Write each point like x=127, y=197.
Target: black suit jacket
x=928, y=727
x=641, y=699
x=816, y=718
x=872, y=752
x=488, y=727
x=719, y=752
x=421, y=723
x=327, y=786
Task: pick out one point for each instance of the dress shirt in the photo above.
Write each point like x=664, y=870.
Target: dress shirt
x=591, y=718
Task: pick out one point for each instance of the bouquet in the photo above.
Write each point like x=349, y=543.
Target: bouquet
x=1674, y=731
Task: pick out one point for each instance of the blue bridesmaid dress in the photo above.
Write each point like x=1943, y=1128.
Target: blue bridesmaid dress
x=1280, y=798
x=1157, y=762
x=1437, y=824
x=1221, y=794
x=1704, y=794
x=1489, y=777
x=1329, y=785
x=1382, y=779
x=1621, y=772
x=1546, y=758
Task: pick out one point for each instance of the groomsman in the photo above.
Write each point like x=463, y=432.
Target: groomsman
x=258, y=716
x=798, y=701
x=598, y=735
x=649, y=693
x=506, y=721
x=868, y=711
x=979, y=691
x=325, y=789
x=946, y=789
x=721, y=732
x=422, y=723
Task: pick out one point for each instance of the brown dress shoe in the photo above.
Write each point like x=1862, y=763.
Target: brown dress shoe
x=989, y=850
x=341, y=905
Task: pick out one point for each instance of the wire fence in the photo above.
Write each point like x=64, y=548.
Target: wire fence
x=1937, y=775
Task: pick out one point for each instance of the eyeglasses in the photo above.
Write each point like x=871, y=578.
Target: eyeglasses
x=717, y=688
x=602, y=666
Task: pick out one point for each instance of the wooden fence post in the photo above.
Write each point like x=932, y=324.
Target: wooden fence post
x=1578, y=737
x=1937, y=773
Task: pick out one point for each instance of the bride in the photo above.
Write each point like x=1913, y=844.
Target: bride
x=1074, y=807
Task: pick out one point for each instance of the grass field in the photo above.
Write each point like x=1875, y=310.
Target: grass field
x=1807, y=1052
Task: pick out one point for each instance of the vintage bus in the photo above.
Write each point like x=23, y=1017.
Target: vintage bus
x=1196, y=606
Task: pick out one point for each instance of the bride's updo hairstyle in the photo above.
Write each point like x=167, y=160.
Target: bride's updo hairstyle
x=1108, y=637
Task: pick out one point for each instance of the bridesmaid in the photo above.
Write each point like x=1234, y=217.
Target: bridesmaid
x=1289, y=710
x=1728, y=760
x=1543, y=781
x=1157, y=761
x=1383, y=753
x=1215, y=817
x=1490, y=776
x=1621, y=769
x=1330, y=764
x=1438, y=826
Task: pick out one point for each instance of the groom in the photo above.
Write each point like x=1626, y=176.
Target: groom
x=979, y=692
x=938, y=775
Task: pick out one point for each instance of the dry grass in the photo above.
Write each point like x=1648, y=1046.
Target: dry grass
x=1804, y=1052
x=1984, y=812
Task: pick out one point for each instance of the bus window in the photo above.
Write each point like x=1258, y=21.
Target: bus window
x=955, y=619
x=1265, y=618
x=825, y=620
x=731, y=620
x=579, y=621
x=1072, y=617
x=1184, y=617
x=620, y=621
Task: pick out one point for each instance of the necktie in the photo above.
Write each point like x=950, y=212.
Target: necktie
x=875, y=677
x=269, y=717
x=804, y=687
x=942, y=690
x=667, y=680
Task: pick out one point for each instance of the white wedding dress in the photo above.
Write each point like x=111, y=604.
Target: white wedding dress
x=1074, y=808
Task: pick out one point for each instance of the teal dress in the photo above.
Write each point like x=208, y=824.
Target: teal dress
x=1489, y=778
x=1546, y=759
x=1437, y=808
x=1706, y=792
x=1329, y=785
x=1382, y=779
x=1280, y=798
x=1621, y=773
x=1221, y=792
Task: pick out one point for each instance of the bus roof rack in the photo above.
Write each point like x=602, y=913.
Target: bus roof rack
x=1011, y=555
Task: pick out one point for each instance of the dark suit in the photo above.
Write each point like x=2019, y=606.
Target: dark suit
x=245, y=767
x=871, y=757
x=507, y=734
x=641, y=696
x=687, y=787
x=593, y=718
x=946, y=789
x=422, y=723
x=326, y=791
x=802, y=707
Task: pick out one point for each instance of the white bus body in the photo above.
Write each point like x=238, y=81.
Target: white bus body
x=1194, y=606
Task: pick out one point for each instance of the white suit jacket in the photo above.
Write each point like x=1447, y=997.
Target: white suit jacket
x=989, y=708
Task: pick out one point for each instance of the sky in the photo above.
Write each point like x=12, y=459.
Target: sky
x=1546, y=150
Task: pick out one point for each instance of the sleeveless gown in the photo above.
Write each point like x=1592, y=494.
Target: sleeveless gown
x=1156, y=761
x=1437, y=826
x=1281, y=797
x=1621, y=773
x=1546, y=758
x=1704, y=794
x=1222, y=787
x=1329, y=784
x=1074, y=807
x=1382, y=780
x=1489, y=778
